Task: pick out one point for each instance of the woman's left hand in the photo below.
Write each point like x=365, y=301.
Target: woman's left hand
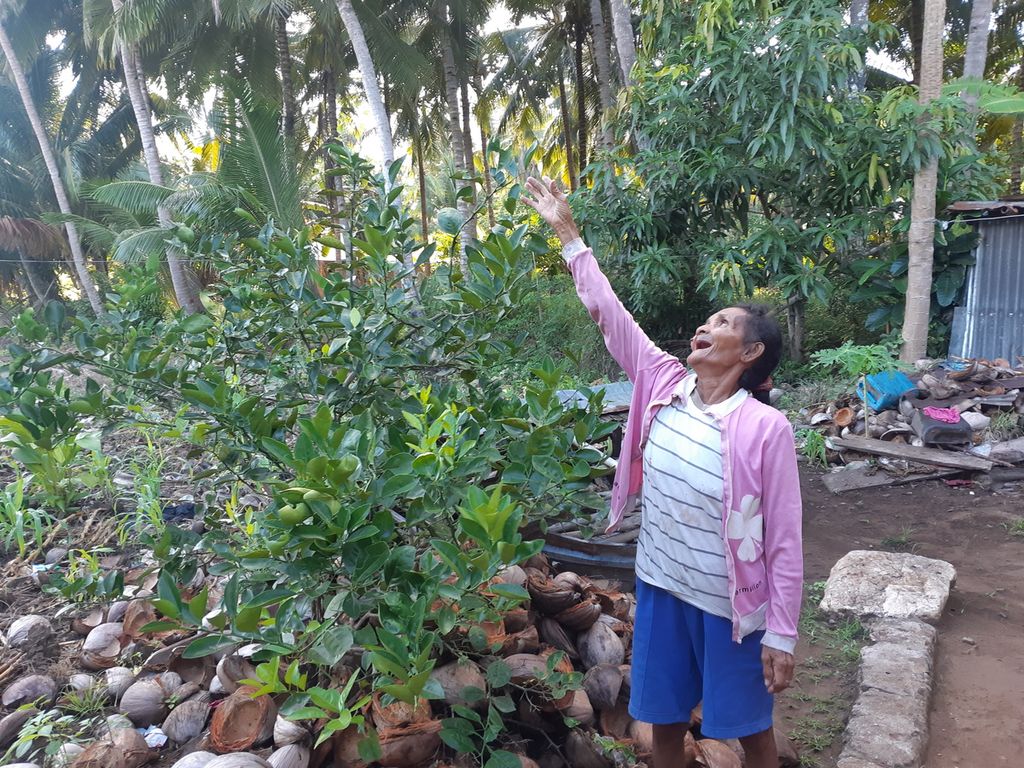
x=778, y=669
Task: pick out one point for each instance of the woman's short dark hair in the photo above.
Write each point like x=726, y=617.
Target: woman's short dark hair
x=760, y=326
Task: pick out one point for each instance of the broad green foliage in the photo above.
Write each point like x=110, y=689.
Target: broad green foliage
x=399, y=474
x=762, y=165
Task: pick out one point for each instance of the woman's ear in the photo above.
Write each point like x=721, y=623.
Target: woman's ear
x=752, y=352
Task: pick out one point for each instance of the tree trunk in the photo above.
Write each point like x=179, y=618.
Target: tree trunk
x=284, y=63
x=331, y=130
x=563, y=107
x=85, y=280
x=625, y=45
x=451, y=85
x=602, y=60
x=581, y=95
x=481, y=121
x=467, y=143
x=1017, y=156
x=922, y=203
x=40, y=290
x=372, y=89
x=915, y=27
x=796, y=308
x=859, y=20
x=977, y=49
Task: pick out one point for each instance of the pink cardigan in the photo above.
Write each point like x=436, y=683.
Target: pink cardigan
x=762, y=524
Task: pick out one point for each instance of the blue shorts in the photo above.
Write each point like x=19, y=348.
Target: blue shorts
x=682, y=655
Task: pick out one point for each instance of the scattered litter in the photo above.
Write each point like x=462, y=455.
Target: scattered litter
x=948, y=415
x=154, y=736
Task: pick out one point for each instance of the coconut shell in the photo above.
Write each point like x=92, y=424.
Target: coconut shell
x=195, y=760
x=67, y=754
x=239, y=760
x=30, y=633
x=409, y=746
x=455, y=678
x=614, y=604
x=187, y=720
x=642, y=735
x=289, y=732
x=538, y=562
x=581, y=616
x=80, y=682
x=86, y=623
x=554, y=634
x=582, y=752
x=103, y=645
x=398, y=713
x=290, y=756
x=527, y=641
x=242, y=721
x=600, y=645
x=712, y=753
x=574, y=580
x=29, y=690
x=602, y=684
x=512, y=574
x=122, y=748
x=526, y=667
x=517, y=620
x=10, y=726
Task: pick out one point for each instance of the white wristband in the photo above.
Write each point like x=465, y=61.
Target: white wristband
x=573, y=247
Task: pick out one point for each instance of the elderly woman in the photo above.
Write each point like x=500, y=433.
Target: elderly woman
x=719, y=559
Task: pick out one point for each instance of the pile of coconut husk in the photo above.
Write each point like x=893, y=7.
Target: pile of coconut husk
x=977, y=402
x=153, y=704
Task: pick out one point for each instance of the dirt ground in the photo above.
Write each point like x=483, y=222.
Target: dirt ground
x=978, y=701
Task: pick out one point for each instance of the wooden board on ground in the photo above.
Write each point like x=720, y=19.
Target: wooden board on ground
x=861, y=477
x=933, y=456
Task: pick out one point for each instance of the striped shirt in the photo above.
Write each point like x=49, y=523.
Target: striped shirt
x=681, y=548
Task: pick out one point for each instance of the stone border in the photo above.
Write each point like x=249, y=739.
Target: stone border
x=888, y=727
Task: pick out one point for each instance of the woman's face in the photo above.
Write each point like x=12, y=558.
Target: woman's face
x=719, y=344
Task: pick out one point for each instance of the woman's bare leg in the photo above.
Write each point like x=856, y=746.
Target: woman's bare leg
x=668, y=744
x=760, y=750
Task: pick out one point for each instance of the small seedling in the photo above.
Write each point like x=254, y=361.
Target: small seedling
x=902, y=542
x=1016, y=528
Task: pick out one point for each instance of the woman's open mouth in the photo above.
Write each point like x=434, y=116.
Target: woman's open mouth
x=700, y=343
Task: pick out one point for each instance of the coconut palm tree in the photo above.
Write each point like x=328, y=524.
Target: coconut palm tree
x=85, y=279
x=922, y=203
x=625, y=44
x=977, y=48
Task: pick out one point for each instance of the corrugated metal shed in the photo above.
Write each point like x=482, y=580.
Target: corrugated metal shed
x=989, y=322
x=617, y=396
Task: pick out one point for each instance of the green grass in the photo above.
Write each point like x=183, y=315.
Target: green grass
x=902, y=542
x=1016, y=528
x=1006, y=425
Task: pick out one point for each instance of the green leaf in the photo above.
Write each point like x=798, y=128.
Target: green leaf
x=197, y=323
x=206, y=645
x=332, y=646
x=498, y=674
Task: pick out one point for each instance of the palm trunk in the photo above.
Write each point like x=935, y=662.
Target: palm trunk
x=977, y=49
x=563, y=108
x=922, y=203
x=915, y=28
x=581, y=95
x=78, y=257
x=602, y=59
x=1017, y=156
x=467, y=141
x=421, y=177
x=284, y=63
x=369, y=74
x=451, y=85
x=625, y=45
x=37, y=291
x=481, y=120
x=331, y=129
x=796, y=308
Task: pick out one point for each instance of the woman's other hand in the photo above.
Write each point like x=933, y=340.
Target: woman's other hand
x=778, y=669
x=549, y=201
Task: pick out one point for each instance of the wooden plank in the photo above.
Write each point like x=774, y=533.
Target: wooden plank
x=859, y=478
x=933, y=456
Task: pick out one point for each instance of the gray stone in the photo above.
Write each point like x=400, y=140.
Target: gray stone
x=888, y=585
x=978, y=421
x=855, y=762
x=885, y=730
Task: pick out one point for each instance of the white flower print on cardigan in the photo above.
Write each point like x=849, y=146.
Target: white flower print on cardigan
x=747, y=527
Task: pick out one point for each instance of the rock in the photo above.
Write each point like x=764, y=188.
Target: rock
x=888, y=585
x=888, y=726
x=775, y=394
x=979, y=421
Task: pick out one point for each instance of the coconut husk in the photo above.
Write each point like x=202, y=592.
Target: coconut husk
x=290, y=756
x=527, y=641
x=86, y=623
x=103, y=645
x=29, y=690
x=345, y=748
x=10, y=726
x=456, y=677
x=512, y=574
x=289, y=732
x=600, y=645
x=199, y=671
x=574, y=580
x=409, y=746
x=232, y=669
x=578, y=707
x=614, y=604
x=526, y=668
x=712, y=753
x=602, y=684
x=538, y=562
x=138, y=614
x=581, y=616
x=187, y=720
x=554, y=634
x=121, y=748
x=398, y=713
x=550, y=597
x=517, y=620
x=642, y=735
x=145, y=702
x=582, y=752
x=844, y=417
x=242, y=721
x=615, y=721
x=689, y=750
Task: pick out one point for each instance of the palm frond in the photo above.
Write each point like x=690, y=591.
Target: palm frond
x=30, y=237
x=137, y=245
x=137, y=197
